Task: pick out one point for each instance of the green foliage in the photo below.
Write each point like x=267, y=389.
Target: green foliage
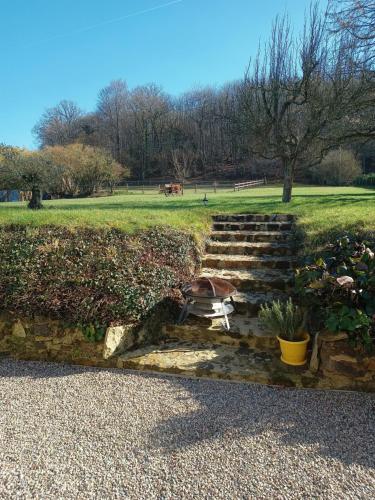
x=339, y=289
x=87, y=276
x=21, y=169
x=354, y=321
x=81, y=170
x=8, y=155
x=283, y=319
x=365, y=180
x=93, y=332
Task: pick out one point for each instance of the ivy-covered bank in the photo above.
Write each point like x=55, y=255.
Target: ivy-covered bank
x=93, y=278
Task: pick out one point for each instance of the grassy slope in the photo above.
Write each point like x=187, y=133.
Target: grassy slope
x=322, y=211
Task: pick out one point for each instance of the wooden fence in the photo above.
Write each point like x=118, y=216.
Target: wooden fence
x=249, y=184
x=199, y=186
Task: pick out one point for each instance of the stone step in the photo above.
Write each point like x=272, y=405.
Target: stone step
x=244, y=331
x=246, y=248
x=254, y=280
x=218, y=362
x=251, y=236
x=250, y=302
x=219, y=261
x=252, y=226
x=253, y=218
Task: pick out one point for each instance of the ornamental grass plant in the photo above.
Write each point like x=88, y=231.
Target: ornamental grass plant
x=284, y=319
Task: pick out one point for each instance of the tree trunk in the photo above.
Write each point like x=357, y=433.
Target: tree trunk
x=288, y=181
x=36, y=199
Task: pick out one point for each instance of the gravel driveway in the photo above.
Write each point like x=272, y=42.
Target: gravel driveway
x=73, y=432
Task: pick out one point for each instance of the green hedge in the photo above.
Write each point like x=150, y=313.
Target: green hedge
x=91, y=276
x=365, y=180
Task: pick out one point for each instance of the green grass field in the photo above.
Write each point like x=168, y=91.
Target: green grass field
x=323, y=212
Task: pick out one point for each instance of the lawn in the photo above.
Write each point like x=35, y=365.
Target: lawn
x=323, y=212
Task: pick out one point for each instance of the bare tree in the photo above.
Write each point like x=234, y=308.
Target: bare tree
x=149, y=108
x=357, y=19
x=182, y=160
x=111, y=109
x=59, y=125
x=304, y=96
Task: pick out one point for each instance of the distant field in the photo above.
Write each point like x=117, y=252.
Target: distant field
x=323, y=211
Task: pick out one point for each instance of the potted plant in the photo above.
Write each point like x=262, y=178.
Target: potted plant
x=286, y=321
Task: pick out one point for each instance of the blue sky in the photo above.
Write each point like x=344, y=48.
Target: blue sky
x=70, y=49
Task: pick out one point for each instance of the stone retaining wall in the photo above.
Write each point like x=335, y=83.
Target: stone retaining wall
x=334, y=364
x=45, y=339
x=343, y=366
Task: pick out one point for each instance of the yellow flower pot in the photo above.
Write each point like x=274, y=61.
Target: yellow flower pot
x=294, y=353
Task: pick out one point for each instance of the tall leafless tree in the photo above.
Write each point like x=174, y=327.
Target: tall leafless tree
x=59, y=125
x=111, y=108
x=304, y=96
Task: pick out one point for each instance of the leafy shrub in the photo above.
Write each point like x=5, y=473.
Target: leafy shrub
x=283, y=319
x=78, y=169
x=339, y=288
x=88, y=276
x=365, y=180
x=336, y=169
x=93, y=332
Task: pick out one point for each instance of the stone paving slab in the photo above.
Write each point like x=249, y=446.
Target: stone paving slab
x=253, y=217
x=253, y=279
x=219, y=261
x=250, y=302
x=240, y=363
x=244, y=330
x=252, y=226
x=249, y=248
x=251, y=235
x=214, y=361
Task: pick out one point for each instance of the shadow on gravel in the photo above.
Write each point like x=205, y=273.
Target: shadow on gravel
x=337, y=425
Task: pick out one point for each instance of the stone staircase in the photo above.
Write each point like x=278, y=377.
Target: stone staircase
x=256, y=253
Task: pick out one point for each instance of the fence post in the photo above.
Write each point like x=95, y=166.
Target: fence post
x=214, y=186
x=234, y=187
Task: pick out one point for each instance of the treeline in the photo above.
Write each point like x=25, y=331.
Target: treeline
x=203, y=132
x=153, y=133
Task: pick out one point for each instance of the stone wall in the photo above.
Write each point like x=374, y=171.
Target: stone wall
x=334, y=363
x=344, y=366
x=41, y=338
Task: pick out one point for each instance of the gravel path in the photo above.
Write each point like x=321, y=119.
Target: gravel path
x=72, y=432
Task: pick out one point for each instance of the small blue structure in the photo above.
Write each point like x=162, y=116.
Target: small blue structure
x=10, y=195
